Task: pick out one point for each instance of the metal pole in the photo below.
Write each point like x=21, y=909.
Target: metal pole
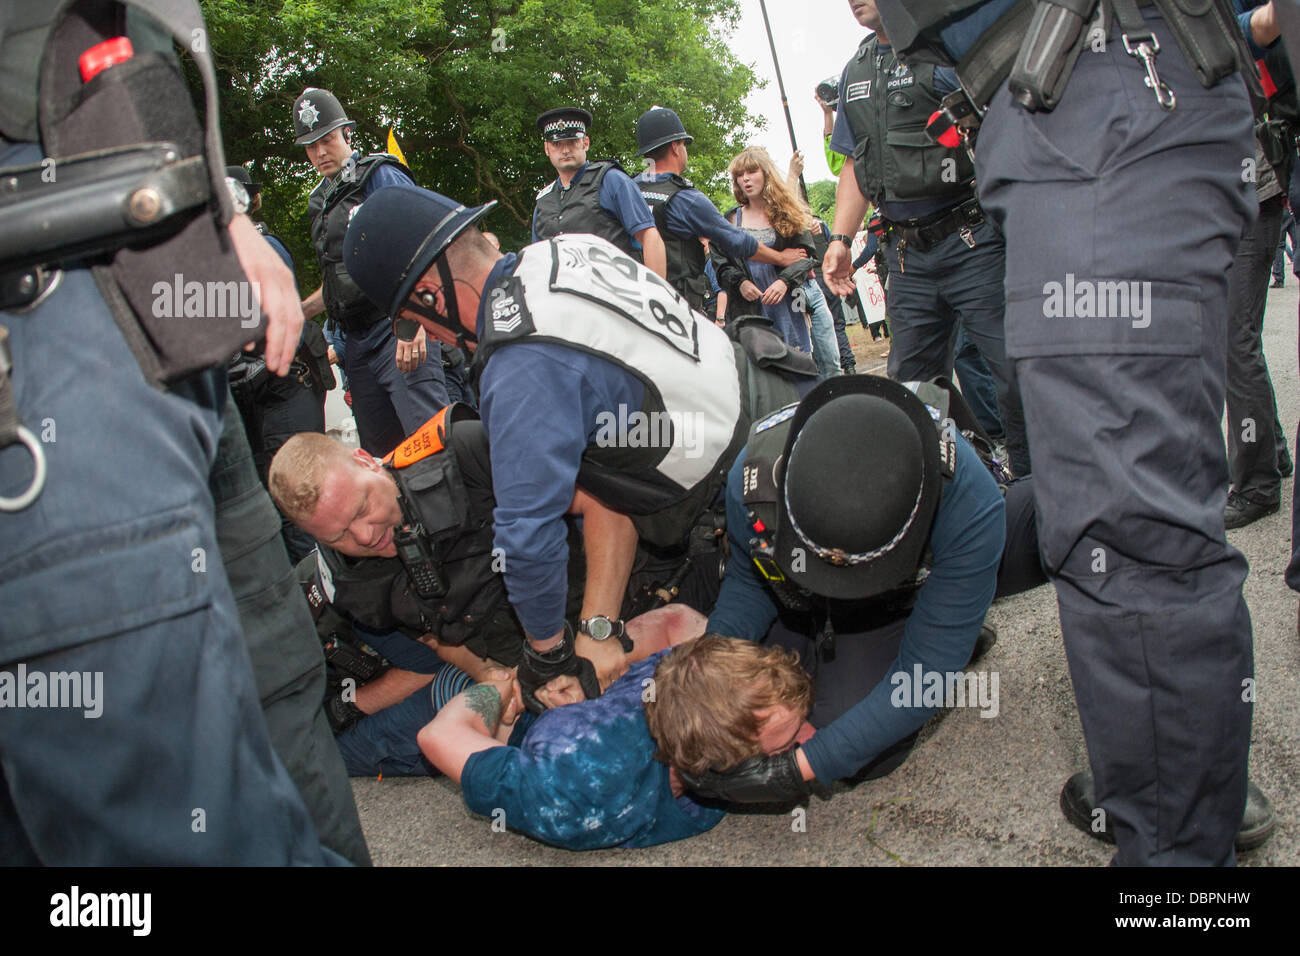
x=785, y=103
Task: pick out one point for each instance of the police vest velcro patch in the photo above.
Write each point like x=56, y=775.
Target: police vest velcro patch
x=860, y=90
x=948, y=458
x=548, y=188
x=758, y=480
x=507, y=311
x=776, y=418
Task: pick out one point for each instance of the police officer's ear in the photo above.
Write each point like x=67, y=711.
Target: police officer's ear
x=366, y=460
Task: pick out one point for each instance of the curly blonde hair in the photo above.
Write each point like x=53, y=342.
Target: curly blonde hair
x=786, y=210
x=706, y=694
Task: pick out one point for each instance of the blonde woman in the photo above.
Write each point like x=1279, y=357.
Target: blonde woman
x=771, y=212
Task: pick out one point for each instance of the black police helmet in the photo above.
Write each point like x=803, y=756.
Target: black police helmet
x=240, y=174
x=317, y=112
x=860, y=432
x=396, y=235
x=658, y=126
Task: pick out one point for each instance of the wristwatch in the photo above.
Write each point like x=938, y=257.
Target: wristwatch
x=840, y=237
x=601, y=628
x=238, y=195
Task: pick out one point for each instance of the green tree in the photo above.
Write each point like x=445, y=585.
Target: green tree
x=821, y=197
x=463, y=82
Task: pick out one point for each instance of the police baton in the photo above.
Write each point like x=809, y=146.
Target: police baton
x=785, y=103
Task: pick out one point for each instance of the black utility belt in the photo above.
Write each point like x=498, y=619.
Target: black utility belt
x=361, y=325
x=929, y=231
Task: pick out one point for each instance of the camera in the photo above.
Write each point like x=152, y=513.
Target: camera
x=829, y=91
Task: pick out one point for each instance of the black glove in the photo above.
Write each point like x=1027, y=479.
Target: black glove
x=774, y=779
x=342, y=714
x=538, y=667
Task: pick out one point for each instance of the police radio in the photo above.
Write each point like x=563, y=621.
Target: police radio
x=416, y=555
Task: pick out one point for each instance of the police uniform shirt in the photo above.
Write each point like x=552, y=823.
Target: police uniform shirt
x=539, y=403
x=844, y=139
x=280, y=250
x=691, y=214
x=385, y=175
x=620, y=198
x=967, y=541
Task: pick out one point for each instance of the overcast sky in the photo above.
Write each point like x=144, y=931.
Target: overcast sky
x=814, y=39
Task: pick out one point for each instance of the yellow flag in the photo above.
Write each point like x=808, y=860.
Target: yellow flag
x=394, y=149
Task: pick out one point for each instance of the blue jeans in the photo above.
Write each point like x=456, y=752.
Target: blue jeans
x=826, y=350
x=384, y=742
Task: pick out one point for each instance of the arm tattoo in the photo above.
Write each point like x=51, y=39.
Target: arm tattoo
x=485, y=700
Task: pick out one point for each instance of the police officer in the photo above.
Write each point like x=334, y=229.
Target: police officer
x=1156, y=631
x=597, y=382
x=596, y=198
x=396, y=386
x=946, y=261
x=273, y=407
x=107, y=536
x=683, y=214
x=838, y=577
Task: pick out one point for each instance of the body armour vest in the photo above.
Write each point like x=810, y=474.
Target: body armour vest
x=767, y=441
x=686, y=257
x=331, y=208
x=581, y=292
x=887, y=105
x=577, y=209
x=444, y=477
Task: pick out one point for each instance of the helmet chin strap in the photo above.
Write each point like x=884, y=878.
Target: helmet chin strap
x=423, y=305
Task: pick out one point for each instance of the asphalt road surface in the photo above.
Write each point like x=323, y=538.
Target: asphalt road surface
x=979, y=791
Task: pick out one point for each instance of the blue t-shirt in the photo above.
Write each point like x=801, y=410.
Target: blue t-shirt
x=690, y=214
x=844, y=139
x=584, y=776
x=539, y=403
x=967, y=539
x=620, y=198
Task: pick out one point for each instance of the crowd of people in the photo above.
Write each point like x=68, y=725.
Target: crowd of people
x=589, y=561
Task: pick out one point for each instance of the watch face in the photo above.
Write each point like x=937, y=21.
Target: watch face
x=599, y=628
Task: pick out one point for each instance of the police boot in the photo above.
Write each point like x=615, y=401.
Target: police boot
x=988, y=637
x=1079, y=806
x=1241, y=511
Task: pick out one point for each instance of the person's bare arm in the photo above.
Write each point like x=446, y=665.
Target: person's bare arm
x=1264, y=28
x=662, y=628
x=469, y=723
x=609, y=538
x=391, y=687
x=781, y=259
x=653, y=252
x=314, y=304
x=462, y=657
x=850, y=210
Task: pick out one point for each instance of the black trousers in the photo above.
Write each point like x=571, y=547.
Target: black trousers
x=1254, y=432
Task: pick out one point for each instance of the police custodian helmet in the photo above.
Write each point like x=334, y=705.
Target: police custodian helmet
x=657, y=127
x=315, y=113
x=856, y=431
